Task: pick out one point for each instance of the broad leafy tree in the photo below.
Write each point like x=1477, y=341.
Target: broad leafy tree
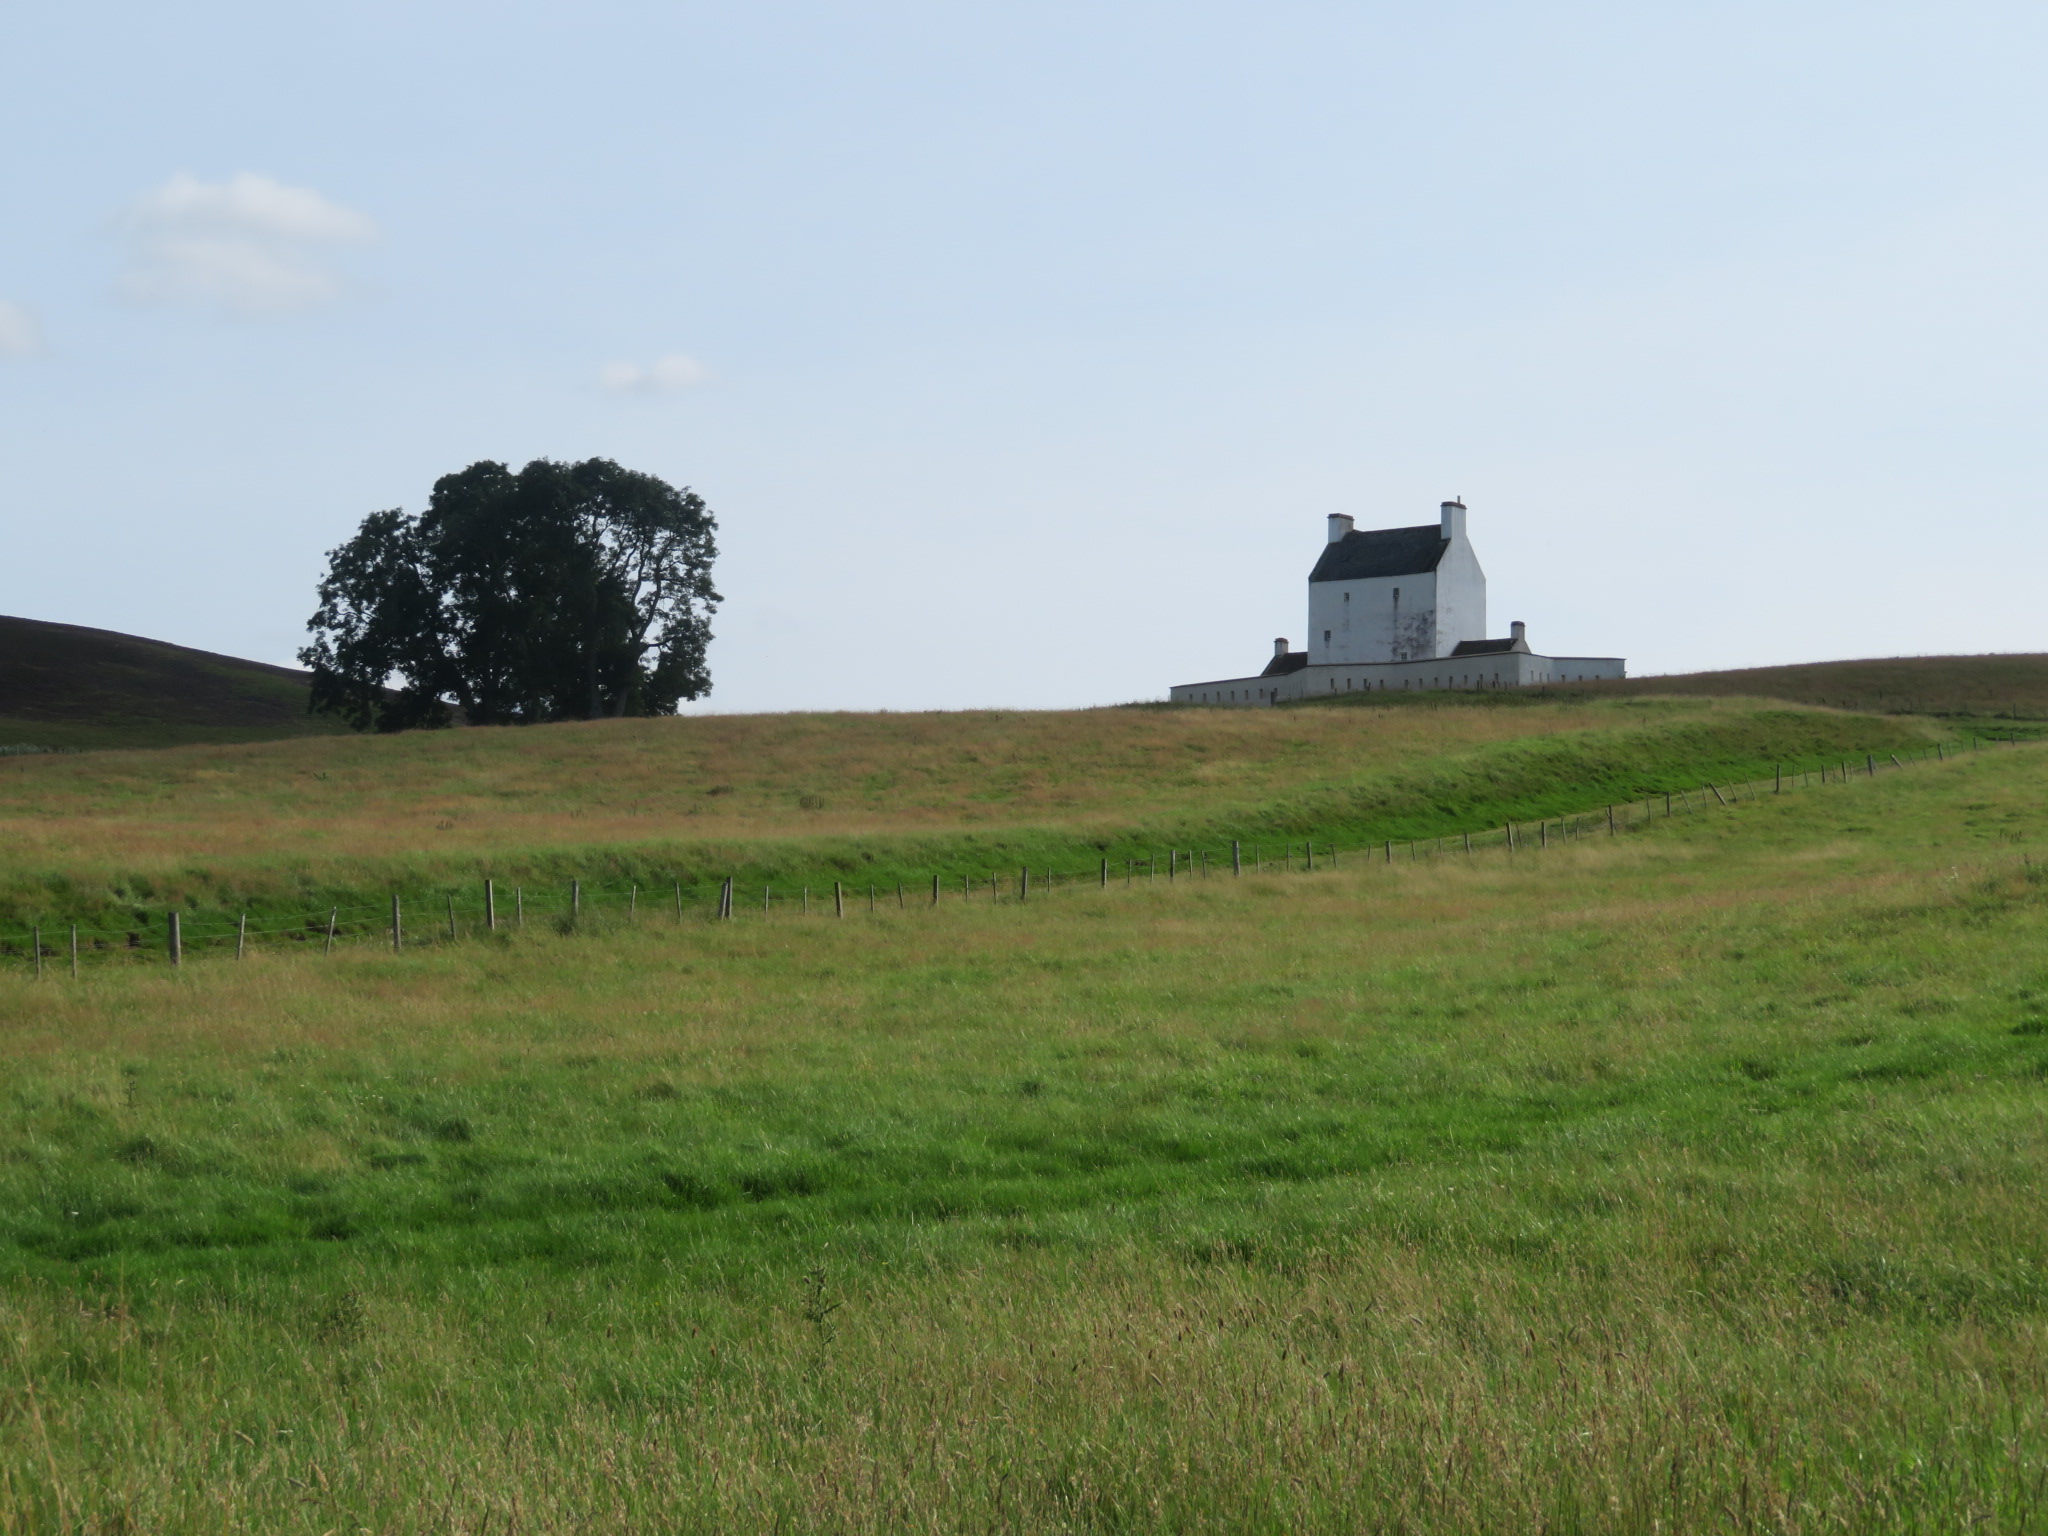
x=562, y=592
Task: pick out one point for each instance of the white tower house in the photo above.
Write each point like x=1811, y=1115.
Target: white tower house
x=1395, y=594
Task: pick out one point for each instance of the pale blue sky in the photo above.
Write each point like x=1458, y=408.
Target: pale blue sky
x=1022, y=349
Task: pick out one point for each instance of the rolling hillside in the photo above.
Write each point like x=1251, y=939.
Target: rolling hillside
x=285, y=828
x=63, y=686
x=1983, y=687
x=1685, y=1179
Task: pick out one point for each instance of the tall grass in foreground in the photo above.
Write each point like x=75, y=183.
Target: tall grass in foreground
x=1688, y=1181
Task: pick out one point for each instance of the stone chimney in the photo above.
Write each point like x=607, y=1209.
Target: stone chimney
x=1454, y=519
x=1340, y=524
x=1519, y=633
x=1280, y=646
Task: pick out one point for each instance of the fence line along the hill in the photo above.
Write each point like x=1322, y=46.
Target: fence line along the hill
x=202, y=932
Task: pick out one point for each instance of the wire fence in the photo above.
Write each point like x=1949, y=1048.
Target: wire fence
x=410, y=921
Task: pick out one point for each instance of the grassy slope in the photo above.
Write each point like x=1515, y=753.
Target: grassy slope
x=63, y=686
x=288, y=829
x=1993, y=687
x=1685, y=1180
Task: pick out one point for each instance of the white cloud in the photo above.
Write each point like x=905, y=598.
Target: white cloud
x=671, y=371
x=20, y=336
x=248, y=245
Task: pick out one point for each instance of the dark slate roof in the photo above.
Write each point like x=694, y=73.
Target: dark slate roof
x=1482, y=647
x=1382, y=552
x=1280, y=666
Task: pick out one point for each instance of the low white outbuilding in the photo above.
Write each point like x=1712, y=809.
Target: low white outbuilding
x=1393, y=609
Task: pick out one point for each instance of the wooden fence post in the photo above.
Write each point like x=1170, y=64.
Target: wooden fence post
x=1509, y=829
x=397, y=926
x=451, y=917
x=241, y=935
x=1236, y=857
x=1543, y=834
x=1610, y=821
x=490, y=906
x=1308, y=852
x=871, y=901
x=1468, y=842
x=1870, y=762
x=935, y=890
x=1778, y=784
x=177, y=939
x=575, y=900
x=332, y=913
x=633, y=904
x=1105, y=874
x=1024, y=883
x=1390, y=851
x=35, y=943
x=838, y=899
x=519, y=906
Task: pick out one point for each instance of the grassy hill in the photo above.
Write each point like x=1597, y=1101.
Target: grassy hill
x=289, y=830
x=63, y=686
x=1978, y=687
x=1687, y=1179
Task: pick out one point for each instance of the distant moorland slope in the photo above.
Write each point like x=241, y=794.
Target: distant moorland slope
x=1998, y=686
x=67, y=686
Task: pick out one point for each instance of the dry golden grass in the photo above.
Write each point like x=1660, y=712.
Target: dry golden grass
x=709, y=777
x=287, y=830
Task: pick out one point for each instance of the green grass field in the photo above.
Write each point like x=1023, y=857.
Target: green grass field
x=288, y=830
x=1687, y=1179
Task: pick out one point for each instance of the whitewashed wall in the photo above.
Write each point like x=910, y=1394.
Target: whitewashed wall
x=1513, y=669
x=1366, y=623
x=1460, y=595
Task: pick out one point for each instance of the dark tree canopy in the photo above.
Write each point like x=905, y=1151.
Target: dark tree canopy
x=562, y=592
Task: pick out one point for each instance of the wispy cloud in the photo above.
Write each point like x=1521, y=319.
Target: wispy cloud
x=672, y=371
x=20, y=336
x=248, y=245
